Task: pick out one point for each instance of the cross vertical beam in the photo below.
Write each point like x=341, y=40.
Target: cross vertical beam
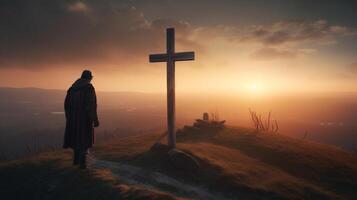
x=170, y=57
x=170, y=45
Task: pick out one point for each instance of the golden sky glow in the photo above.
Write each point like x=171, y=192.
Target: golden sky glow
x=257, y=55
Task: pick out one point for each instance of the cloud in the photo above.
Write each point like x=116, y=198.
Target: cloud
x=289, y=32
x=352, y=68
x=109, y=33
x=350, y=72
x=40, y=33
x=283, y=40
x=280, y=40
x=297, y=31
x=271, y=53
x=78, y=7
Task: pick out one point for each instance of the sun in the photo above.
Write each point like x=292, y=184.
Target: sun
x=255, y=89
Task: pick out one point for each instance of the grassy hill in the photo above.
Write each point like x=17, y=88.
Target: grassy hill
x=235, y=163
x=239, y=163
x=52, y=176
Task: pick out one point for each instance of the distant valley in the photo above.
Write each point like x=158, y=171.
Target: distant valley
x=32, y=119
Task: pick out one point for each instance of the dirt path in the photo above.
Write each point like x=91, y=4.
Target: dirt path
x=133, y=175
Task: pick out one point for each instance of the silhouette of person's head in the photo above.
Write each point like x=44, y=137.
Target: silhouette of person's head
x=87, y=75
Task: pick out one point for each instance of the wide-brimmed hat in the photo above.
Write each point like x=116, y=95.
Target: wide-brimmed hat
x=86, y=74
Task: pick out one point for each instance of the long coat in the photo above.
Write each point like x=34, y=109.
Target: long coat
x=81, y=112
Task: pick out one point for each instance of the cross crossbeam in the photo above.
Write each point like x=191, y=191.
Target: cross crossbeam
x=170, y=57
x=181, y=56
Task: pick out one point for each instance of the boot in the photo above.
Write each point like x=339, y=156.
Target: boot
x=83, y=161
x=75, y=157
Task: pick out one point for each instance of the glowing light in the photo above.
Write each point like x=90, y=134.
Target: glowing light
x=253, y=87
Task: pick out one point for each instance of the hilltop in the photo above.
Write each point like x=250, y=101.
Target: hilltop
x=235, y=163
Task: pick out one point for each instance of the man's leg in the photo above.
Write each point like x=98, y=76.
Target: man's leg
x=75, y=156
x=83, y=159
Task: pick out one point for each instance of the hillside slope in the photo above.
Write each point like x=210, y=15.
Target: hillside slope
x=52, y=176
x=241, y=164
x=235, y=163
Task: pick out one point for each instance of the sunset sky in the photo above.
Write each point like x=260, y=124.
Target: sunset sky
x=250, y=46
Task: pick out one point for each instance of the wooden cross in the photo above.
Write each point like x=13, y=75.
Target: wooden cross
x=170, y=57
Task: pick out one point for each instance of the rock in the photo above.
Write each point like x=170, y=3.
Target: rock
x=183, y=160
x=190, y=128
x=160, y=148
x=205, y=116
x=209, y=124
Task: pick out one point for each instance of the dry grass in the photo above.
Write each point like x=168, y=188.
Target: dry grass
x=51, y=176
x=214, y=116
x=261, y=124
x=234, y=162
x=240, y=164
x=239, y=172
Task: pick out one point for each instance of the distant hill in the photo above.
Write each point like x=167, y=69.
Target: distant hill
x=21, y=99
x=235, y=163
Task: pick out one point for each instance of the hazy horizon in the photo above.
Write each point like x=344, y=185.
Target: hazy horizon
x=30, y=113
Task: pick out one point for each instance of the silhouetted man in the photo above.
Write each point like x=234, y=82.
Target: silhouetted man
x=81, y=117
